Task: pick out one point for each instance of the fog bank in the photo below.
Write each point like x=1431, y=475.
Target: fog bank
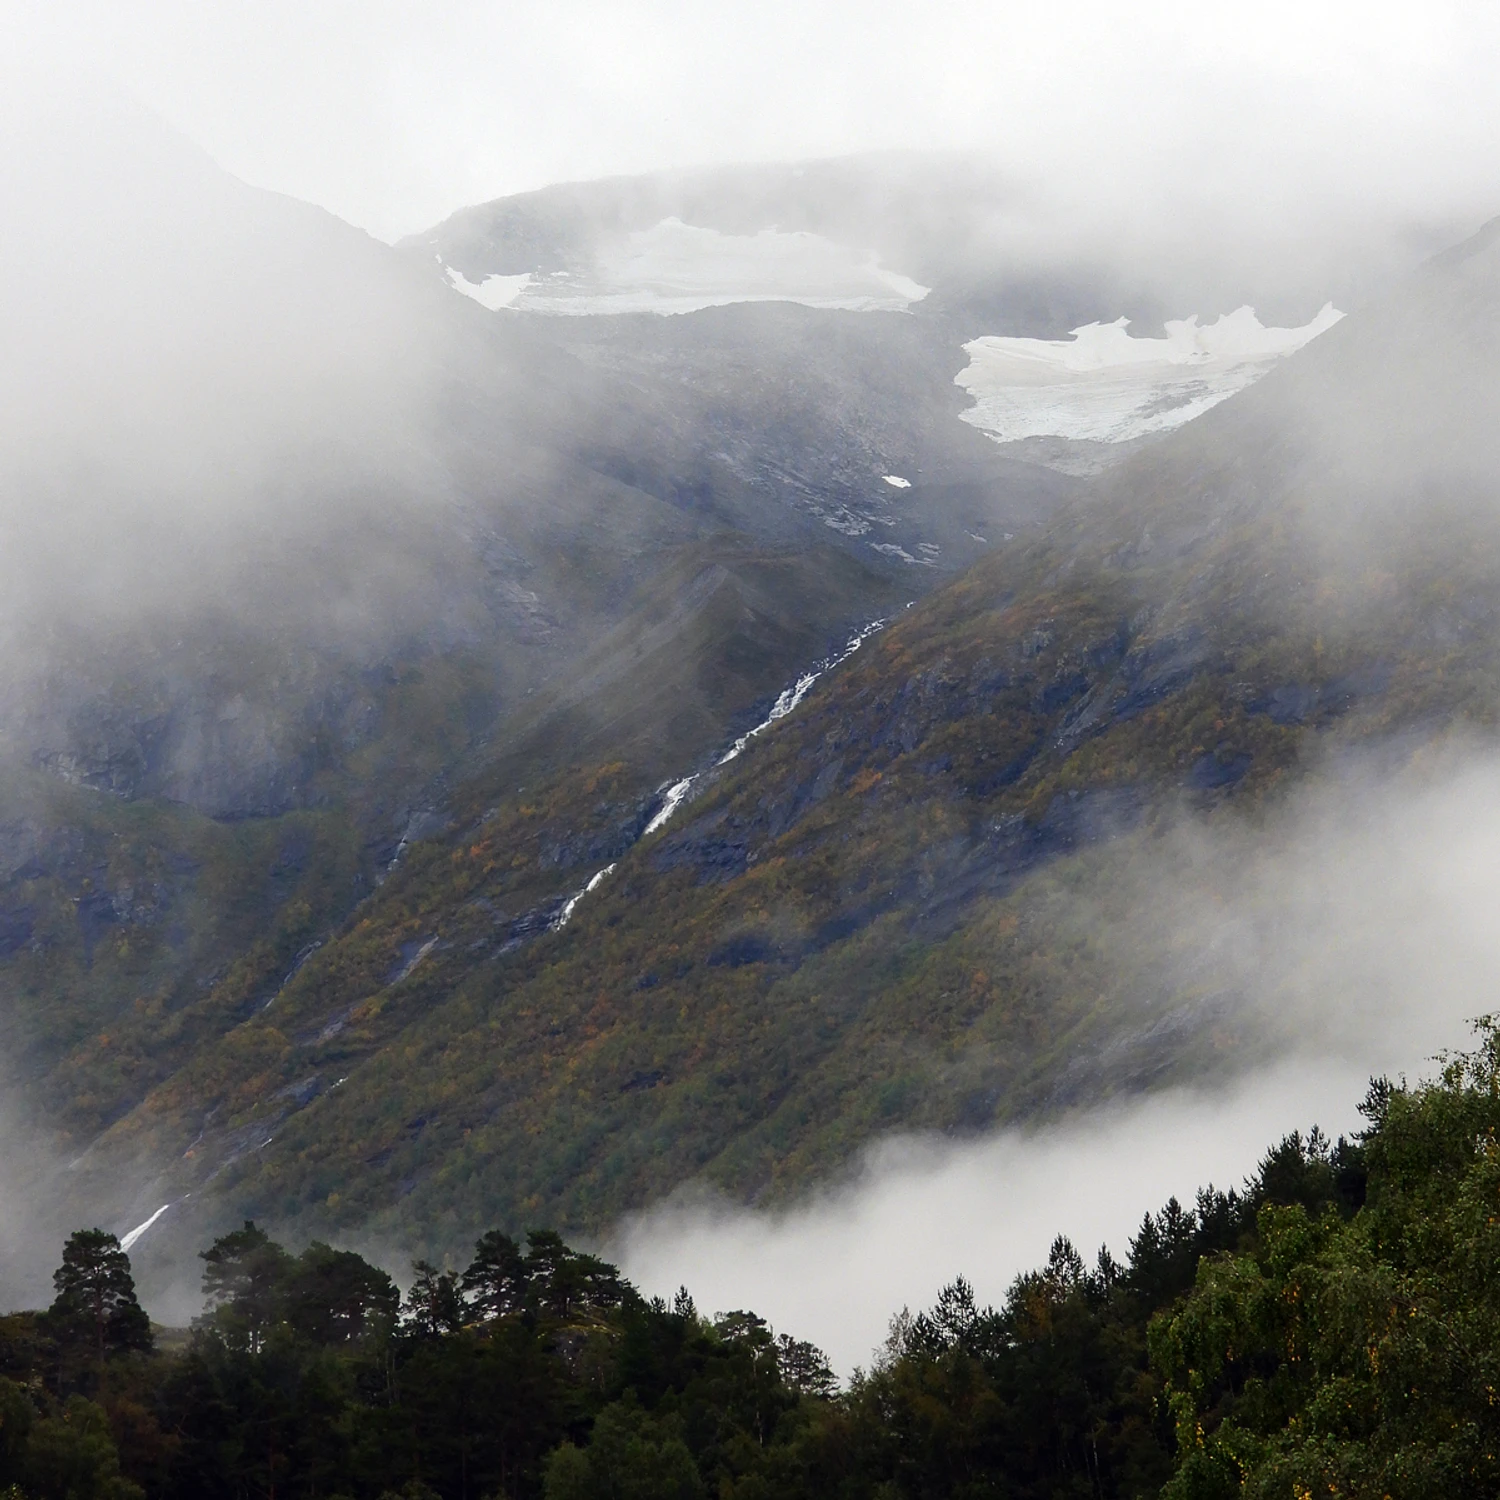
x=1270, y=113
x=1283, y=958
x=922, y=1209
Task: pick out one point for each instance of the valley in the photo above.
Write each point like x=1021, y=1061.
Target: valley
x=488, y=818
x=749, y=752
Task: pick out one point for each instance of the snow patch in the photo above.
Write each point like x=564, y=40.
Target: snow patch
x=675, y=267
x=1103, y=385
x=842, y=520
x=892, y=550
x=494, y=292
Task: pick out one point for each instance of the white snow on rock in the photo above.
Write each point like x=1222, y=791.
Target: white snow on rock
x=675, y=267
x=1102, y=385
x=494, y=292
x=896, y=482
x=900, y=553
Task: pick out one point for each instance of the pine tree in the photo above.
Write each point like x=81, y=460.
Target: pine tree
x=244, y=1278
x=434, y=1304
x=495, y=1282
x=96, y=1305
x=337, y=1297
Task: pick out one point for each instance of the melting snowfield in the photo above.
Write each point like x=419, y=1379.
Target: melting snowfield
x=1102, y=385
x=680, y=268
x=494, y=292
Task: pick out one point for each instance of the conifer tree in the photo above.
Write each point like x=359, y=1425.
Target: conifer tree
x=95, y=1306
x=434, y=1305
x=244, y=1279
x=495, y=1281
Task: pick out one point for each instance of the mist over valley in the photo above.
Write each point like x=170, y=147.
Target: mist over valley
x=828, y=729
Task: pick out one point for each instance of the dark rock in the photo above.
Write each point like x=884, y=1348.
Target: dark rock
x=1061, y=691
x=96, y=912
x=301, y=1093
x=1209, y=772
x=17, y=923
x=1158, y=670
x=1291, y=704
x=639, y=1081
x=1087, y=817
x=1366, y=682
x=746, y=948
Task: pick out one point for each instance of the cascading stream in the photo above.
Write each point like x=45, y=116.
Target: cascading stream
x=676, y=793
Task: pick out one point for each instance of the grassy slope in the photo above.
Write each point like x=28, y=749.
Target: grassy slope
x=902, y=908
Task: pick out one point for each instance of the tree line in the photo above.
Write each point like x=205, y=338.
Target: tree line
x=1331, y=1329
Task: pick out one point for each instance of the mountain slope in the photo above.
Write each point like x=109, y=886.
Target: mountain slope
x=995, y=254
x=919, y=901
x=295, y=542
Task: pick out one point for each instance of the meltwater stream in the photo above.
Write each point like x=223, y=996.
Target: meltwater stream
x=676, y=793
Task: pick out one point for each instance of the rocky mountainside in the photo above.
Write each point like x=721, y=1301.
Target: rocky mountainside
x=304, y=552
x=464, y=764
x=960, y=242
x=815, y=318
x=924, y=899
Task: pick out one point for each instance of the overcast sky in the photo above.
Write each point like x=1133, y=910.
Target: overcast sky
x=394, y=112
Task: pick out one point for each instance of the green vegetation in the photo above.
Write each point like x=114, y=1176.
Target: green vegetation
x=910, y=905
x=96, y=1303
x=1357, y=1356
x=916, y=904
x=136, y=933
x=166, y=978
x=1334, y=1329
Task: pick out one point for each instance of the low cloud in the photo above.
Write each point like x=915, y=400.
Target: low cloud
x=923, y=1209
x=1353, y=932
x=1266, y=114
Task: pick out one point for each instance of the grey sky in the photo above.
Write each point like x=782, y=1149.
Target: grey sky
x=392, y=112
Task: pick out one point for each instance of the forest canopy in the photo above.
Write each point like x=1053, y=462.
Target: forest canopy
x=1332, y=1328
